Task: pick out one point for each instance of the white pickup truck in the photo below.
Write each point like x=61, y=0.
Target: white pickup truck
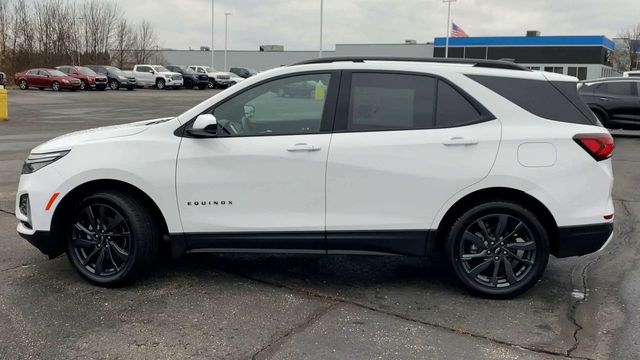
x=217, y=79
x=158, y=76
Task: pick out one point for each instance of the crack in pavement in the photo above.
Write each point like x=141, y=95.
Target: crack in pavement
x=7, y=212
x=627, y=227
x=268, y=350
x=461, y=332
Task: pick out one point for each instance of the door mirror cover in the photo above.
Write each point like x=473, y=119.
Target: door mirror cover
x=205, y=125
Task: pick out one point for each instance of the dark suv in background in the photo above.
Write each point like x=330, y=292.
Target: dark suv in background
x=116, y=77
x=615, y=101
x=190, y=77
x=243, y=72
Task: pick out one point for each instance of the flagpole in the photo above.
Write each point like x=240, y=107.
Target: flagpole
x=446, y=46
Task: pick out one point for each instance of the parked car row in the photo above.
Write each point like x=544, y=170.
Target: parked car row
x=99, y=77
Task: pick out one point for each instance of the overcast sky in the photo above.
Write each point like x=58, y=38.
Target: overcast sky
x=181, y=24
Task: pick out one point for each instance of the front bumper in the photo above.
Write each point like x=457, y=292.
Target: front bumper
x=582, y=240
x=41, y=240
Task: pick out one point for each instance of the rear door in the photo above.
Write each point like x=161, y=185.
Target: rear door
x=620, y=99
x=403, y=145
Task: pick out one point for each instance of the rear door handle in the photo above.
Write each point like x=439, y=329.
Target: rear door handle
x=303, y=147
x=459, y=140
x=604, y=98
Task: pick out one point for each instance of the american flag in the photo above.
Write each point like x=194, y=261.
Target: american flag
x=456, y=31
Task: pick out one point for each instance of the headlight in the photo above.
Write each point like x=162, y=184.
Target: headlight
x=168, y=76
x=65, y=81
x=122, y=77
x=36, y=162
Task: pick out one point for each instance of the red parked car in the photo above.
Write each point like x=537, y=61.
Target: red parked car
x=88, y=77
x=46, y=78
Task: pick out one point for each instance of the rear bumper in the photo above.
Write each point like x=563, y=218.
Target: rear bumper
x=582, y=240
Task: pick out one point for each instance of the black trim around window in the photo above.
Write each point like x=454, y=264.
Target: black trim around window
x=341, y=124
x=328, y=113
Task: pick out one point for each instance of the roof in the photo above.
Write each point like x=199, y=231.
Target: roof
x=582, y=40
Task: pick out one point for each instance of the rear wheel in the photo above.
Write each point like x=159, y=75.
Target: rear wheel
x=114, y=84
x=55, y=86
x=23, y=84
x=112, y=239
x=498, y=249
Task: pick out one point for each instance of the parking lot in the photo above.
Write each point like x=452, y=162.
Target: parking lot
x=297, y=306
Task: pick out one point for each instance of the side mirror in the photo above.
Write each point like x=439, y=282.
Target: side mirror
x=205, y=126
x=151, y=72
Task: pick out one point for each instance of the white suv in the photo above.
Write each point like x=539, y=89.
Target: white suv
x=158, y=76
x=486, y=162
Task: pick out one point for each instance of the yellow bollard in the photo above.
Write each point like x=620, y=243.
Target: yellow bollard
x=320, y=91
x=4, y=105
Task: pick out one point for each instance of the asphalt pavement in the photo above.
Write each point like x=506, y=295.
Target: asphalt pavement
x=208, y=306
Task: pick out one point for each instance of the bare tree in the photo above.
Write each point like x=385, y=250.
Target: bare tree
x=146, y=44
x=124, y=42
x=626, y=55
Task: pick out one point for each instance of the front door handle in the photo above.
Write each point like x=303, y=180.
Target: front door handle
x=604, y=98
x=459, y=140
x=303, y=147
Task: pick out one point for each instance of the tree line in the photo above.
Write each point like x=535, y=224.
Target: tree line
x=626, y=57
x=46, y=33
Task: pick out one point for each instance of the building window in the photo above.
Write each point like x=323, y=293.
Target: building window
x=555, y=69
x=579, y=72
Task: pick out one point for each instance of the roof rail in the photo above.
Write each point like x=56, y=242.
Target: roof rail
x=496, y=64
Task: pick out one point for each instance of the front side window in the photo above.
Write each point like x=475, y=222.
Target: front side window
x=293, y=105
x=382, y=101
x=32, y=72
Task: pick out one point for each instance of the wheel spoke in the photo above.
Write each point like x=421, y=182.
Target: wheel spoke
x=115, y=266
x=92, y=219
x=502, y=224
x=84, y=229
x=101, y=211
x=508, y=269
x=115, y=221
x=480, y=268
x=529, y=245
x=88, y=258
x=515, y=230
x=519, y=259
x=120, y=252
x=100, y=263
x=494, y=277
x=467, y=257
x=483, y=227
x=83, y=242
x=475, y=239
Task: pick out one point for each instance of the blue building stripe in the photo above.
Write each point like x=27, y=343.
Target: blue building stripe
x=528, y=41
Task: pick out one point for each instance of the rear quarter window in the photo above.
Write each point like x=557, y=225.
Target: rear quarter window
x=557, y=101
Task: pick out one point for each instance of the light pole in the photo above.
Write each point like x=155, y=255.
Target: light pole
x=213, y=13
x=226, y=38
x=446, y=46
x=321, y=23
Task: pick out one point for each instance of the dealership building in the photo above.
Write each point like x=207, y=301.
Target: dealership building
x=585, y=57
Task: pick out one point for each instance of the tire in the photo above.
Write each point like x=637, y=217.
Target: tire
x=474, y=252
x=114, y=84
x=188, y=84
x=126, y=246
x=211, y=84
x=202, y=86
x=160, y=84
x=23, y=84
x=602, y=119
x=83, y=85
x=55, y=86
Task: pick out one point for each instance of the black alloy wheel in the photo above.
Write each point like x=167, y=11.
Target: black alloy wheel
x=112, y=239
x=498, y=250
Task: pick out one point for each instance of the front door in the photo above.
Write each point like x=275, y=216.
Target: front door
x=620, y=98
x=263, y=175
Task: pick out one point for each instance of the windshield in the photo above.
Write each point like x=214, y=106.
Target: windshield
x=160, y=69
x=56, y=73
x=86, y=71
x=209, y=69
x=188, y=70
x=115, y=70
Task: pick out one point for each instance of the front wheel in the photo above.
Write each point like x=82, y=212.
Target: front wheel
x=211, y=84
x=83, y=85
x=498, y=249
x=114, y=84
x=55, y=86
x=160, y=84
x=23, y=84
x=112, y=239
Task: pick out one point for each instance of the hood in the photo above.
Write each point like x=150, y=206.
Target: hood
x=68, y=141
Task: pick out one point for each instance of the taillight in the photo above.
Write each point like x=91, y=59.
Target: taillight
x=599, y=146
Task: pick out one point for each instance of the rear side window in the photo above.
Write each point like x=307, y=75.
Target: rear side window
x=391, y=101
x=452, y=108
x=622, y=88
x=557, y=101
